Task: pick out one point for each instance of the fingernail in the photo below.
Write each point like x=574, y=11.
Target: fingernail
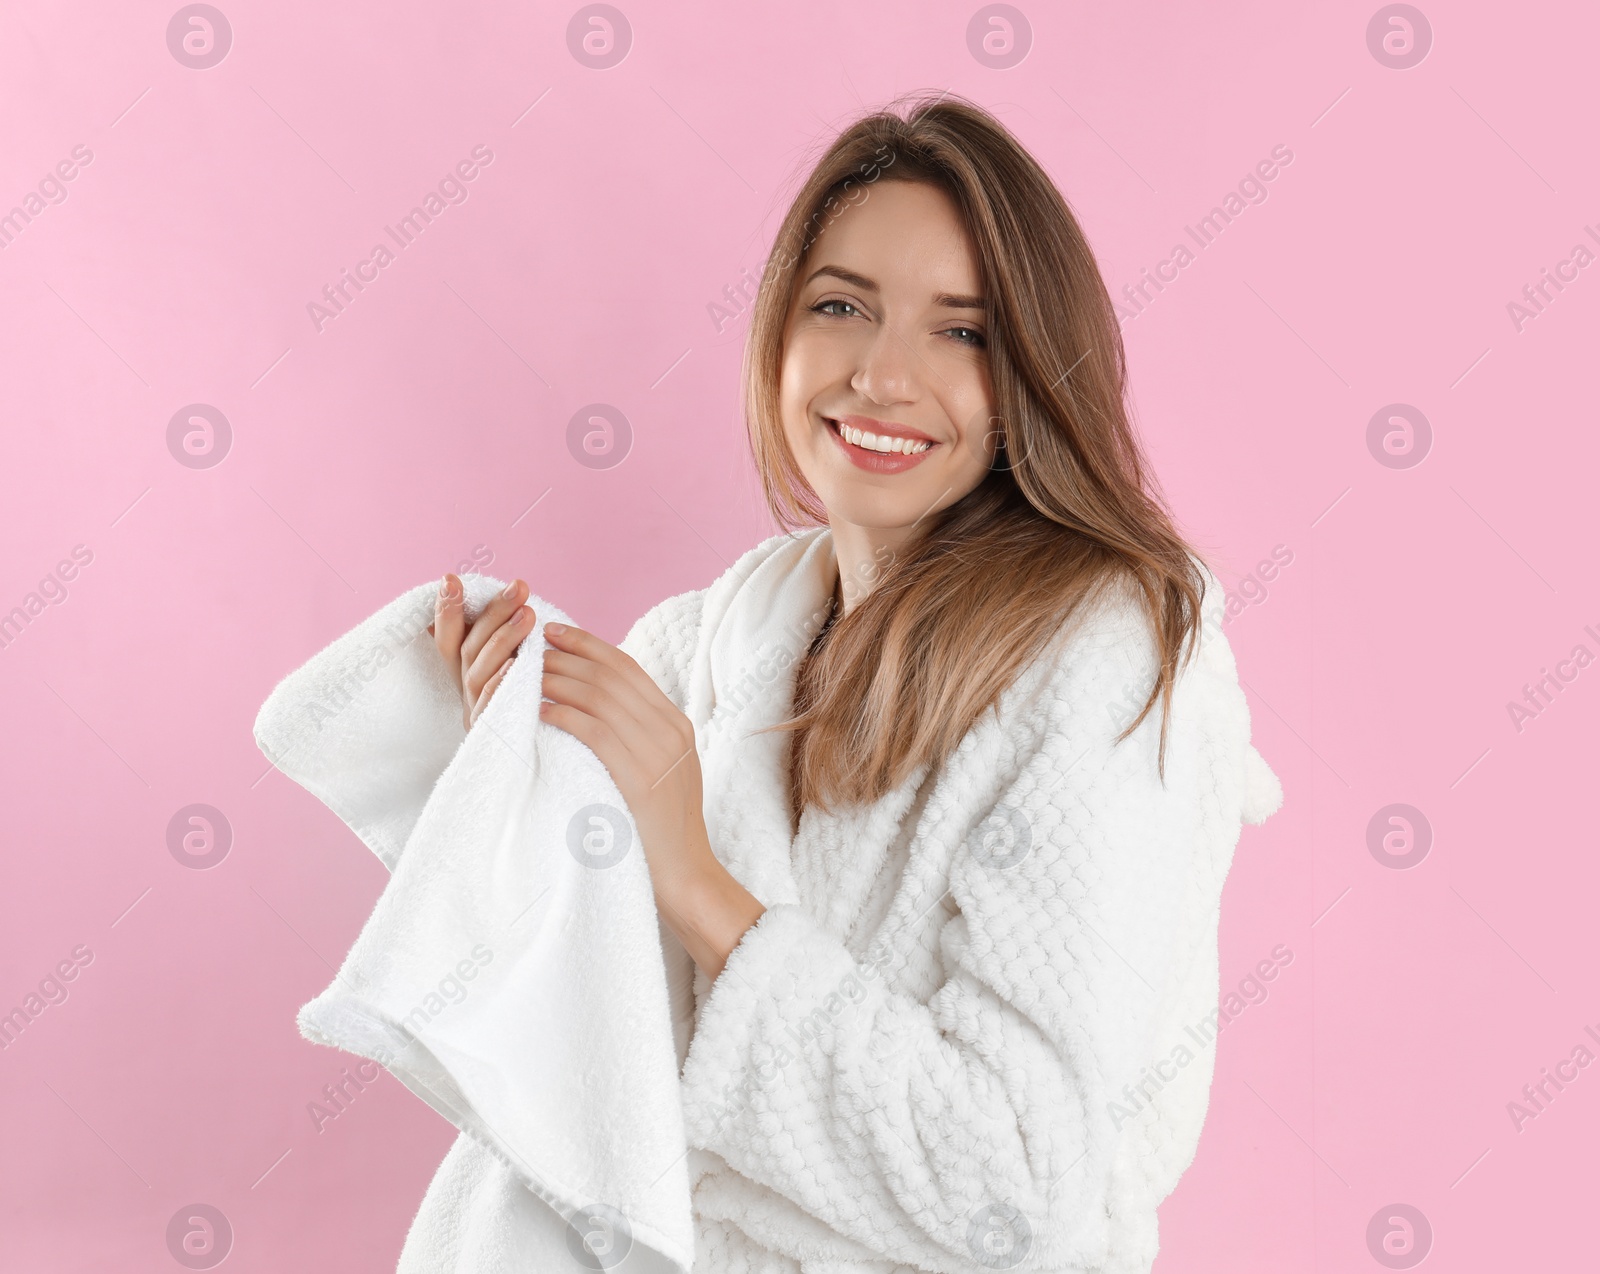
x=555, y=630
x=510, y=589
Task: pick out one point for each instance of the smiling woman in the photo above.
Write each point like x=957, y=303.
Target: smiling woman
x=852, y=337
x=907, y=342
x=940, y=373
x=931, y=898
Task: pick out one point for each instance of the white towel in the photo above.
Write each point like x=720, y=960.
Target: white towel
x=511, y=973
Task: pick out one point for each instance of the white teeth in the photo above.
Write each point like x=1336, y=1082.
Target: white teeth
x=888, y=446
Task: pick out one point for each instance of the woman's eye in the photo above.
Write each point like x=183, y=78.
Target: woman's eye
x=966, y=335
x=824, y=307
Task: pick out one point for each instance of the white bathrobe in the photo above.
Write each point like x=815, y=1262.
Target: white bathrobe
x=971, y=1030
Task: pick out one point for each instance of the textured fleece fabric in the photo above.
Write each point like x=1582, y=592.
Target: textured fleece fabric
x=964, y=1033
x=957, y=1038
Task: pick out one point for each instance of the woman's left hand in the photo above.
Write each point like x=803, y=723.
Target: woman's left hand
x=604, y=699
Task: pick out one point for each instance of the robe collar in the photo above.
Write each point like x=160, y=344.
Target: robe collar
x=758, y=620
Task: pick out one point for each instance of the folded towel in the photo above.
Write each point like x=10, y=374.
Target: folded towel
x=511, y=973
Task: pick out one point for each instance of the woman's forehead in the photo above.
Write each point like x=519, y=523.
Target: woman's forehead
x=902, y=237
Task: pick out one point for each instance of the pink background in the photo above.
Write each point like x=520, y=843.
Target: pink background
x=419, y=425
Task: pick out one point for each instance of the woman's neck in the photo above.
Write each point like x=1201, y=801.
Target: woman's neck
x=862, y=553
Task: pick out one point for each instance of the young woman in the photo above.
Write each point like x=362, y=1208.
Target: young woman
x=938, y=793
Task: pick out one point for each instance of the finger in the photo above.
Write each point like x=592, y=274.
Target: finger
x=644, y=702
x=660, y=729
x=500, y=647
x=489, y=688
x=590, y=699
x=623, y=691
x=651, y=743
x=501, y=607
x=598, y=737
x=448, y=624
x=585, y=644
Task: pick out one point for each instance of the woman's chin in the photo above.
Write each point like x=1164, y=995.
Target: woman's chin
x=874, y=509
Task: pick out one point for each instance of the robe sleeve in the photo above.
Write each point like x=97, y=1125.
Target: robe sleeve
x=1015, y=1118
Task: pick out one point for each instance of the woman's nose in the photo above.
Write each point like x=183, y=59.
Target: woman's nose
x=887, y=373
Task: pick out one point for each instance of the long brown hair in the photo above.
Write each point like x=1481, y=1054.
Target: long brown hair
x=1069, y=508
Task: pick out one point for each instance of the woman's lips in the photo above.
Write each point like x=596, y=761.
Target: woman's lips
x=876, y=461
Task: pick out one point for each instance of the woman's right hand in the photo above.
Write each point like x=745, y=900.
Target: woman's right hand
x=478, y=655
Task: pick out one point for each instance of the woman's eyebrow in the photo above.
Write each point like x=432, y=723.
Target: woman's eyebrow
x=849, y=276
x=945, y=300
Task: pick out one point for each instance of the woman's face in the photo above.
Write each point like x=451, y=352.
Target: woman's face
x=885, y=387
